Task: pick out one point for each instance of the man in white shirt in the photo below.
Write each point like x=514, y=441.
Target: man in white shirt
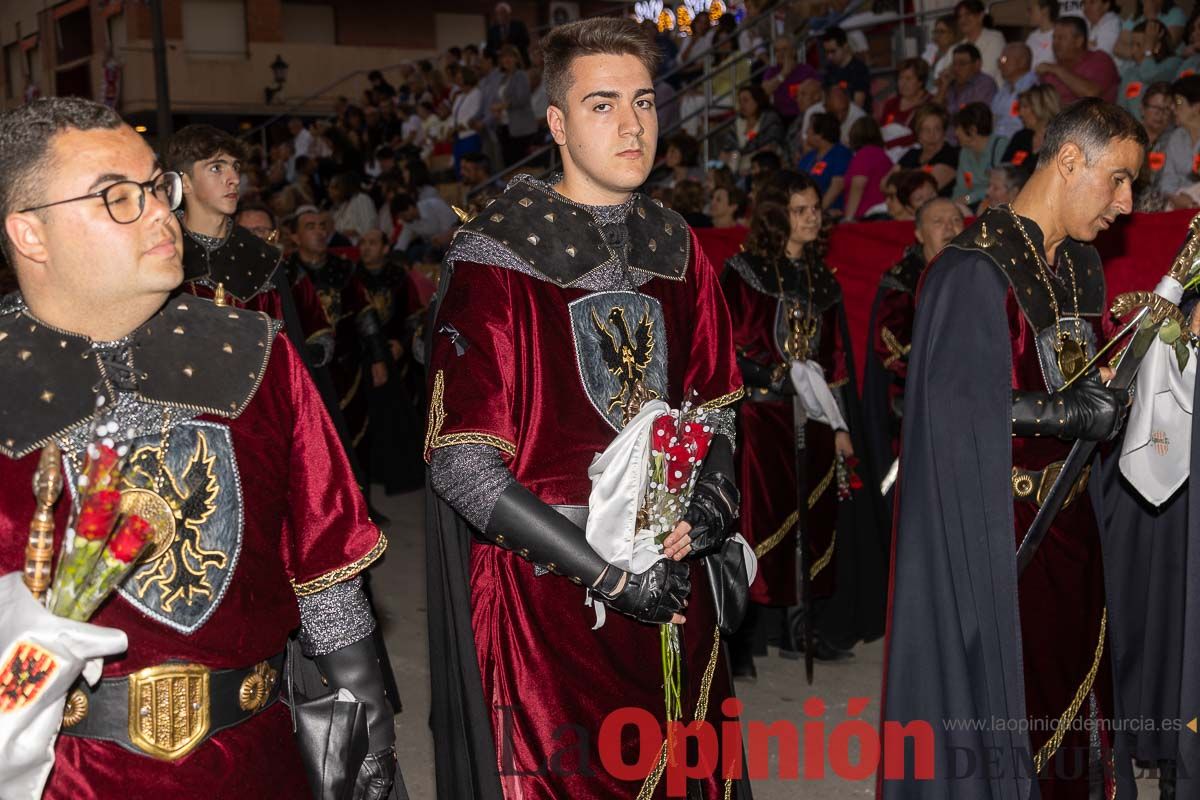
x=1104, y=26
x=837, y=102
x=427, y=224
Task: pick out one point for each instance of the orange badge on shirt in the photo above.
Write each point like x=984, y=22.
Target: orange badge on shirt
x=1133, y=89
x=1187, y=73
x=24, y=675
x=750, y=135
x=889, y=119
x=1196, y=163
x=1015, y=109
x=927, y=168
x=1156, y=160
x=817, y=168
x=795, y=87
x=969, y=180
x=1019, y=157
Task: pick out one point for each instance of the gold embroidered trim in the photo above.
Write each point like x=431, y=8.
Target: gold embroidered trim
x=724, y=400
x=437, y=412
x=323, y=582
x=318, y=334
x=345, y=401
x=897, y=350
x=437, y=418
x=838, y=384
x=823, y=562
x=652, y=780
x=474, y=437
x=766, y=545
x=823, y=485
x=1048, y=750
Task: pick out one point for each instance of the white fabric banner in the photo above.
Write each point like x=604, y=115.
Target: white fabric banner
x=1156, y=452
x=809, y=380
x=619, y=478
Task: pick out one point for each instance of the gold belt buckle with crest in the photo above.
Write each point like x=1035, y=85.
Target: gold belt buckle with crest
x=169, y=709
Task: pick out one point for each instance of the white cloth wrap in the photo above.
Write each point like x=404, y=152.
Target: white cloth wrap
x=28, y=733
x=809, y=380
x=620, y=476
x=1156, y=452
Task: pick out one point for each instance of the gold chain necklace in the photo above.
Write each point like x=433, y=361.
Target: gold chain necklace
x=802, y=324
x=1071, y=358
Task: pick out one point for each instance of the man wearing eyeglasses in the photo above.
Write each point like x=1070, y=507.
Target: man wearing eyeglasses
x=261, y=529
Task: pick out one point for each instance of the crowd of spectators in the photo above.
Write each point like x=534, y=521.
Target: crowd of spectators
x=964, y=120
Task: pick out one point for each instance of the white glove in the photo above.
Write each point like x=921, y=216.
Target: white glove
x=41, y=655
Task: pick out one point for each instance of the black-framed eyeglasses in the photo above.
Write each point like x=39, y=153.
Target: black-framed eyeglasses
x=126, y=200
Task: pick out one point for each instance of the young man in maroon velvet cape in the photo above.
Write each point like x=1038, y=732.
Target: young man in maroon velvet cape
x=1011, y=672
x=262, y=529
x=524, y=393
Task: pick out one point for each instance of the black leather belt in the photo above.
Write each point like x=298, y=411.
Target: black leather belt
x=1033, y=486
x=760, y=394
x=168, y=710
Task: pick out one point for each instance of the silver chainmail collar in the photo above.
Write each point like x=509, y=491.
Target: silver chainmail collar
x=209, y=243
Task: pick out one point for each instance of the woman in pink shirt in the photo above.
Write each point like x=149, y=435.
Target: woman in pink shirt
x=867, y=169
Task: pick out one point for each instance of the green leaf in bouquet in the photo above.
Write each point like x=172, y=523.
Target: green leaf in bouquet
x=1182, y=354
x=1169, y=333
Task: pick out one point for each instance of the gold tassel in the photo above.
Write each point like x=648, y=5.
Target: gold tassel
x=219, y=296
x=39, y=552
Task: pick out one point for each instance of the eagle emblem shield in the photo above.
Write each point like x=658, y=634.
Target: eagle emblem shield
x=184, y=577
x=621, y=351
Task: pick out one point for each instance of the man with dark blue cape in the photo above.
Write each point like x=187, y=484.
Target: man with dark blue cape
x=1009, y=671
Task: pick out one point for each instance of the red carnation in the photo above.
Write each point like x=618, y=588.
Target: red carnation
x=697, y=440
x=130, y=539
x=679, y=466
x=662, y=432
x=96, y=516
x=100, y=468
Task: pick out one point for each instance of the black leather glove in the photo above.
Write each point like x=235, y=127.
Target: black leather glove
x=1085, y=410
x=715, y=500
x=521, y=521
x=652, y=596
x=375, y=776
x=355, y=667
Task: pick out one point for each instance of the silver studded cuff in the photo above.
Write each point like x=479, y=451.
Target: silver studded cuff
x=335, y=617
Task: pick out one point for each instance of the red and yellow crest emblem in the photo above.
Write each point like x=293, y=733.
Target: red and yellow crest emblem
x=26, y=671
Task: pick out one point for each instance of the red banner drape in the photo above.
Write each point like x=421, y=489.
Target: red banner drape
x=1136, y=251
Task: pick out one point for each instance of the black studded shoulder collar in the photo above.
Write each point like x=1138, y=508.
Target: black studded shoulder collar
x=561, y=241
x=192, y=355
x=243, y=263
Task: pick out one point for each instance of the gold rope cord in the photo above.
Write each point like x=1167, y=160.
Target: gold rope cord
x=652, y=780
x=1051, y=746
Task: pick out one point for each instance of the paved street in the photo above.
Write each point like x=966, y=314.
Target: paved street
x=779, y=694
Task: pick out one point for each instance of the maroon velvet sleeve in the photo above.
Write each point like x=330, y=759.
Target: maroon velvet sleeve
x=895, y=317
x=328, y=537
x=472, y=364
x=712, y=371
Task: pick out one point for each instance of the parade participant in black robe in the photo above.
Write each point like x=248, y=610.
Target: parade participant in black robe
x=1009, y=672
x=890, y=331
x=395, y=408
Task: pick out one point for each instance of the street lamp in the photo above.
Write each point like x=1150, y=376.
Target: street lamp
x=279, y=69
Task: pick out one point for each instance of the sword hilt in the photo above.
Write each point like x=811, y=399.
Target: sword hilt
x=39, y=550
